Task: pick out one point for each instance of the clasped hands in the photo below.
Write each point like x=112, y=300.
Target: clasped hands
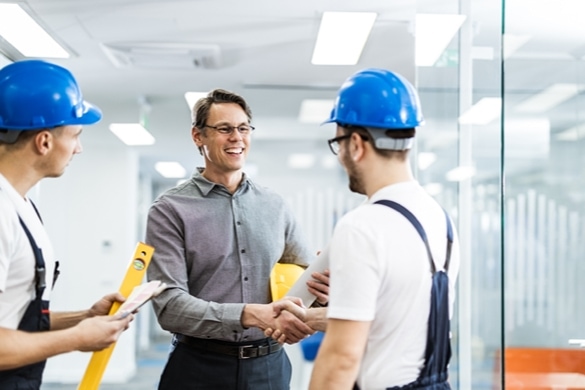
x=293, y=321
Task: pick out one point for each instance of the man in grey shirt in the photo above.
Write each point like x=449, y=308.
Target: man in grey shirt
x=216, y=239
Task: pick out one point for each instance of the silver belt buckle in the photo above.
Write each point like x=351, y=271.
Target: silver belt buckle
x=241, y=352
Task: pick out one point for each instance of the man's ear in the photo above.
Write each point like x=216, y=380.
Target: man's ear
x=43, y=142
x=197, y=135
x=357, y=147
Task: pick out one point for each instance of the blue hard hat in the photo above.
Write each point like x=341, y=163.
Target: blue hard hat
x=36, y=94
x=377, y=98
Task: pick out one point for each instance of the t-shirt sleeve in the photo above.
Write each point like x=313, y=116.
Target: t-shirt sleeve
x=355, y=274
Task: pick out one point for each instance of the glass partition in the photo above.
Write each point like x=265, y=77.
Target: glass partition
x=465, y=176
x=543, y=110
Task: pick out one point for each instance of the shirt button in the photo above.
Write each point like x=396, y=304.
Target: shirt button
x=243, y=251
x=238, y=223
x=246, y=279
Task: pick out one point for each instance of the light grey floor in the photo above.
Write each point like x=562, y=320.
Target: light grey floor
x=149, y=366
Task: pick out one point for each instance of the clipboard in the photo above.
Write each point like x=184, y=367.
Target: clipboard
x=299, y=289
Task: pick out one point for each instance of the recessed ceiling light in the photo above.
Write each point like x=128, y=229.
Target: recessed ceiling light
x=482, y=112
x=433, y=32
x=192, y=97
x=315, y=110
x=342, y=37
x=170, y=169
x=19, y=29
x=132, y=134
x=548, y=98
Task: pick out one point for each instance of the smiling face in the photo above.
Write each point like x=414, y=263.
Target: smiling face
x=224, y=154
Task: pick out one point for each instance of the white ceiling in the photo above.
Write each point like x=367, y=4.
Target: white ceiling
x=262, y=49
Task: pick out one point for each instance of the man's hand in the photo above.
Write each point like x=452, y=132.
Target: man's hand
x=99, y=332
x=102, y=307
x=319, y=286
x=263, y=317
x=282, y=309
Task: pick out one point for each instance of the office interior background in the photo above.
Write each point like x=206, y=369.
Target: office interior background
x=501, y=87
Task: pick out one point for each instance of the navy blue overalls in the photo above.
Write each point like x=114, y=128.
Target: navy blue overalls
x=36, y=318
x=434, y=373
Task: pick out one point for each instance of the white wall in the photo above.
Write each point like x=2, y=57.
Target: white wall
x=91, y=216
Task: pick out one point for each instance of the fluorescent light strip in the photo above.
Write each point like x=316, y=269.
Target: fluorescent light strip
x=342, y=37
x=460, y=173
x=549, y=98
x=482, y=112
x=170, y=169
x=192, y=97
x=433, y=32
x=27, y=36
x=132, y=134
x=315, y=110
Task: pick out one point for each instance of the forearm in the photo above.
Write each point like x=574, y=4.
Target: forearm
x=179, y=312
x=334, y=371
x=64, y=320
x=340, y=354
x=20, y=348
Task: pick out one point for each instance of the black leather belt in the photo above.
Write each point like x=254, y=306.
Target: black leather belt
x=244, y=350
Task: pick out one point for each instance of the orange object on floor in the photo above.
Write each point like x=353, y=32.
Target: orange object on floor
x=543, y=368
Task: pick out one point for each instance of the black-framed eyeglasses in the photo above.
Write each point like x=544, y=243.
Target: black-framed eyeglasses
x=229, y=130
x=334, y=142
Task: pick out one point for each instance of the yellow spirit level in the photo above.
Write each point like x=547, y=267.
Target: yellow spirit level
x=134, y=276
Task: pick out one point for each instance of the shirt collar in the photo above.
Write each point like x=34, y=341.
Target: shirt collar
x=205, y=186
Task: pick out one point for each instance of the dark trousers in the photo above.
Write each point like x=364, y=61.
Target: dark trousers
x=193, y=369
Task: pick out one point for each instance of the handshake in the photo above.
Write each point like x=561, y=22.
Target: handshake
x=294, y=322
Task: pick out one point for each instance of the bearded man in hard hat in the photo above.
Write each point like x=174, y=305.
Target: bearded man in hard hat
x=393, y=260
x=42, y=112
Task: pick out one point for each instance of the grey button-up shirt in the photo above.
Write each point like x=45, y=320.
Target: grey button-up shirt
x=215, y=251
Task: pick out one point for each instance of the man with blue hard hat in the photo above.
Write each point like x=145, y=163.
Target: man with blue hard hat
x=42, y=112
x=393, y=260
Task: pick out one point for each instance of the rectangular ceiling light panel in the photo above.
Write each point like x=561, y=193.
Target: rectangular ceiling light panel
x=482, y=112
x=132, y=134
x=170, y=169
x=342, y=37
x=26, y=35
x=433, y=32
x=315, y=110
x=192, y=97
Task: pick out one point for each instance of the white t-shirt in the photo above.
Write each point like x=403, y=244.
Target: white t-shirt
x=380, y=272
x=17, y=262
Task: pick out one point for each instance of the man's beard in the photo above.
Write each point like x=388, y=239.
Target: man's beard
x=355, y=181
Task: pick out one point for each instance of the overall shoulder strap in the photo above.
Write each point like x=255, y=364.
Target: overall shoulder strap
x=410, y=216
x=421, y=231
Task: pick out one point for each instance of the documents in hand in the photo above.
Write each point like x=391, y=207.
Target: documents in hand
x=142, y=294
x=300, y=289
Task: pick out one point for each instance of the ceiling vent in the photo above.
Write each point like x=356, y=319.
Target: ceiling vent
x=160, y=55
